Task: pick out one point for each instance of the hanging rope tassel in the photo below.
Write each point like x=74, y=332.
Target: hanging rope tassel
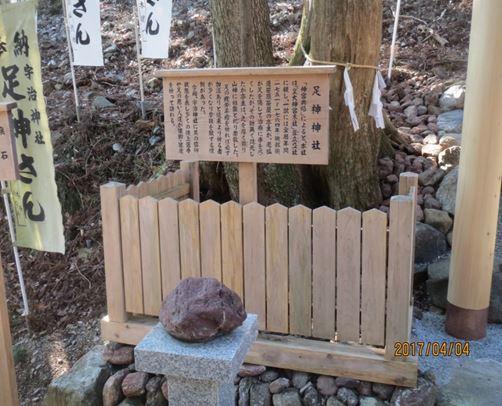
x=349, y=99
x=376, y=108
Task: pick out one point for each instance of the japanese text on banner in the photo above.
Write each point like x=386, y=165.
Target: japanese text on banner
x=37, y=211
x=155, y=27
x=85, y=32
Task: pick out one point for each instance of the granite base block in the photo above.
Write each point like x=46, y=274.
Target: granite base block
x=218, y=360
x=192, y=392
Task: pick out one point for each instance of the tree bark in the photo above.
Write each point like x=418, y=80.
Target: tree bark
x=348, y=31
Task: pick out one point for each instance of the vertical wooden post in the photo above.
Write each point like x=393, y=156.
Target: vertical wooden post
x=192, y=168
x=8, y=387
x=112, y=247
x=248, y=182
x=480, y=175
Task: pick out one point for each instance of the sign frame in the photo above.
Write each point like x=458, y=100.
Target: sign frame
x=310, y=75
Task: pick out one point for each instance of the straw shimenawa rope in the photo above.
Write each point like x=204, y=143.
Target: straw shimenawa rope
x=345, y=64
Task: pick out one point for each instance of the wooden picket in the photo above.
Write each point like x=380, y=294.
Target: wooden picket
x=343, y=276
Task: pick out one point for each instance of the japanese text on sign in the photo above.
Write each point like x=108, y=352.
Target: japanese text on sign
x=248, y=115
x=37, y=211
x=85, y=32
x=155, y=27
x=8, y=155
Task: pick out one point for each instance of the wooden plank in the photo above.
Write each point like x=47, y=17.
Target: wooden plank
x=176, y=192
x=8, y=386
x=231, y=247
x=407, y=180
x=169, y=245
x=300, y=270
x=112, y=249
x=192, y=168
x=298, y=354
x=265, y=71
x=210, y=239
x=248, y=182
x=150, y=255
x=254, y=261
x=323, y=272
x=131, y=254
x=189, y=238
x=374, y=264
x=400, y=270
x=277, y=268
x=348, y=274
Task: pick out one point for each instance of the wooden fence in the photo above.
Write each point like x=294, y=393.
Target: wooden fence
x=332, y=288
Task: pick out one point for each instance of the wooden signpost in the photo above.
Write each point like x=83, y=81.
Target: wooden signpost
x=8, y=171
x=249, y=116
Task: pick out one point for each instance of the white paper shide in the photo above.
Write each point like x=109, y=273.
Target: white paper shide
x=155, y=27
x=85, y=32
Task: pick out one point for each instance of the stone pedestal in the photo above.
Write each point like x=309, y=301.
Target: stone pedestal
x=197, y=373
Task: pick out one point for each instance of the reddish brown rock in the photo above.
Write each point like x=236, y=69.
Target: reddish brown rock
x=251, y=370
x=112, y=391
x=134, y=384
x=199, y=309
x=118, y=354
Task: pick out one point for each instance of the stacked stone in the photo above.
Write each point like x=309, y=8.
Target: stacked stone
x=128, y=387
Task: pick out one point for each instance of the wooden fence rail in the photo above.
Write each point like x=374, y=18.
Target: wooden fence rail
x=343, y=276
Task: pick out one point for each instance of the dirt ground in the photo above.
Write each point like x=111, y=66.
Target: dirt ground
x=67, y=294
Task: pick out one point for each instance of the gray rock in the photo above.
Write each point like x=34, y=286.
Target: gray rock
x=259, y=395
x=154, y=396
x=473, y=382
x=451, y=121
x=269, y=376
x=333, y=401
x=410, y=112
x=347, y=382
x=453, y=98
x=370, y=401
x=423, y=395
x=447, y=191
x=438, y=219
x=495, y=309
x=101, y=102
x=251, y=370
x=430, y=176
x=83, y=384
x=449, y=158
x=279, y=385
x=134, y=384
x=311, y=397
x=383, y=391
x=439, y=270
x=131, y=402
x=244, y=390
x=437, y=290
x=364, y=388
x=348, y=396
x=429, y=243
x=326, y=385
x=431, y=203
x=112, y=391
x=287, y=398
x=431, y=139
x=300, y=379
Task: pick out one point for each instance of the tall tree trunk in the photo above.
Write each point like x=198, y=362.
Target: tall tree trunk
x=349, y=31
x=242, y=38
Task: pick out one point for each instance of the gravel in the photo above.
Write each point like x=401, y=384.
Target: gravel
x=431, y=329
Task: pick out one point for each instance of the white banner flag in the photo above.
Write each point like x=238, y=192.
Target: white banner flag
x=84, y=21
x=155, y=27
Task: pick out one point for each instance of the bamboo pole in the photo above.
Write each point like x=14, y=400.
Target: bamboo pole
x=8, y=387
x=480, y=175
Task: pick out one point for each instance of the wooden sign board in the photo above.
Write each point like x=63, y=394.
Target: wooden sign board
x=258, y=115
x=8, y=155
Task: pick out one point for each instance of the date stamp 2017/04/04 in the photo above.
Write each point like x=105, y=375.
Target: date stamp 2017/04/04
x=432, y=348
